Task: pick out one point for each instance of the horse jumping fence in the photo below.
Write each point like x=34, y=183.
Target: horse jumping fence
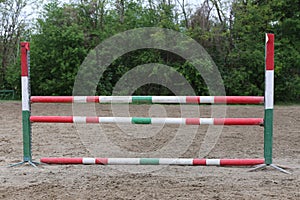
x=267, y=121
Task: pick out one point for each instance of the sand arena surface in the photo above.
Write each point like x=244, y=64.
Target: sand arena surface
x=147, y=182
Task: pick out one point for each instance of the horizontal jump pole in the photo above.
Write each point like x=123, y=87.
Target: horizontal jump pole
x=154, y=161
x=145, y=120
x=150, y=99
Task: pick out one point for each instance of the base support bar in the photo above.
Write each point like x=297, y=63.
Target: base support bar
x=263, y=166
x=32, y=163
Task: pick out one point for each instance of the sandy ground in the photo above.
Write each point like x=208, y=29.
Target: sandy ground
x=147, y=182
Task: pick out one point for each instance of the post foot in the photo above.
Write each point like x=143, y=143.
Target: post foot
x=32, y=163
x=263, y=166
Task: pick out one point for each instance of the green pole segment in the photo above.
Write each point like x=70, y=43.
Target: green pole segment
x=268, y=136
x=26, y=136
x=141, y=120
x=141, y=99
x=149, y=161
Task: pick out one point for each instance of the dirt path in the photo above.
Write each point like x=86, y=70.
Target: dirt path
x=147, y=182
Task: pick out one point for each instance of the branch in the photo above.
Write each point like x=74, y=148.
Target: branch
x=215, y=3
x=183, y=12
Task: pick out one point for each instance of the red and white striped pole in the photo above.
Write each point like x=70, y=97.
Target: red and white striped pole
x=153, y=161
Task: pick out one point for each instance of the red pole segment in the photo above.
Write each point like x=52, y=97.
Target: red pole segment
x=225, y=121
x=225, y=99
x=51, y=99
x=241, y=162
x=53, y=160
x=238, y=121
x=270, y=52
x=239, y=99
x=61, y=160
x=52, y=119
x=228, y=162
x=24, y=64
x=64, y=99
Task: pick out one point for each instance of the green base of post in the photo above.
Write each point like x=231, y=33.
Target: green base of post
x=26, y=136
x=268, y=136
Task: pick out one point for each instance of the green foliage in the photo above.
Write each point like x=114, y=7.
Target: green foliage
x=13, y=78
x=11, y=26
x=56, y=52
x=244, y=71
x=65, y=34
x=287, y=50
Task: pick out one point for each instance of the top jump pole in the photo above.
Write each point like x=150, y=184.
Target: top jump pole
x=150, y=99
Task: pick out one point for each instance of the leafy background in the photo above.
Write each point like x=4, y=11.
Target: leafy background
x=231, y=31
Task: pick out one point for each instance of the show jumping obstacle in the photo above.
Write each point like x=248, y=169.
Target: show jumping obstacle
x=267, y=121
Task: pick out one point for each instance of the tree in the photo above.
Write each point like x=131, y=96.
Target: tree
x=12, y=26
x=57, y=50
x=286, y=25
x=244, y=70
